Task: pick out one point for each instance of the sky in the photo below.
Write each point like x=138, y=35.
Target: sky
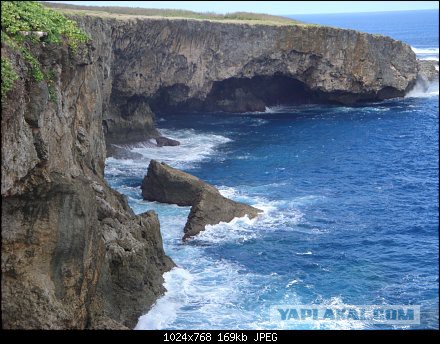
x=273, y=7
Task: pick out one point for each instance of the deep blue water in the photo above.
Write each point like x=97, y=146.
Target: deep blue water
x=350, y=197
x=417, y=28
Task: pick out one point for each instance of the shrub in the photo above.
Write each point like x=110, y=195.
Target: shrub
x=8, y=77
x=18, y=17
x=25, y=23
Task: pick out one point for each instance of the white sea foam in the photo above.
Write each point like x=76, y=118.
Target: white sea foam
x=304, y=253
x=210, y=293
x=427, y=53
x=194, y=148
x=240, y=229
x=177, y=282
x=430, y=58
x=277, y=215
x=272, y=109
x=292, y=282
x=207, y=292
x=423, y=90
x=228, y=191
x=337, y=302
x=425, y=50
x=282, y=109
x=205, y=295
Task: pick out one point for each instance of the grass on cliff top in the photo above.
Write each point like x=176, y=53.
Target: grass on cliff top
x=25, y=24
x=130, y=12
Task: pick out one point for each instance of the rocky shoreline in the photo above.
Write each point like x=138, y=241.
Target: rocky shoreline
x=74, y=255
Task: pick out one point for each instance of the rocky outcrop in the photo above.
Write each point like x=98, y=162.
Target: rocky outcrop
x=168, y=185
x=212, y=208
x=428, y=70
x=180, y=65
x=165, y=141
x=74, y=255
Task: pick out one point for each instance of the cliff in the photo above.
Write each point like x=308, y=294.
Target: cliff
x=74, y=255
x=163, y=64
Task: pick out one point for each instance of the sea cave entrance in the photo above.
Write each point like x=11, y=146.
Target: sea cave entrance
x=238, y=95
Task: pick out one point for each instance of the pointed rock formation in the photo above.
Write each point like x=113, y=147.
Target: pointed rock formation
x=168, y=185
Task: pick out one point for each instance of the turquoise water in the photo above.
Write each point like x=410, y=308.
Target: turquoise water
x=350, y=197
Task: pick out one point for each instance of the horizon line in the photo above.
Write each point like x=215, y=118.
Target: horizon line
x=220, y=13
x=329, y=13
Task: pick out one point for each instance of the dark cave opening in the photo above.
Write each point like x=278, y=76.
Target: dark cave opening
x=238, y=95
x=254, y=94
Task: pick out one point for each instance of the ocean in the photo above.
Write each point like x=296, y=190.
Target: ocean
x=350, y=200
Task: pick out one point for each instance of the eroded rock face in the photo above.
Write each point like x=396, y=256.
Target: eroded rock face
x=428, y=70
x=169, y=185
x=74, y=255
x=189, y=65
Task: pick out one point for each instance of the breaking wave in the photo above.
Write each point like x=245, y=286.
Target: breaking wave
x=194, y=148
x=426, y=53
x=423, y=89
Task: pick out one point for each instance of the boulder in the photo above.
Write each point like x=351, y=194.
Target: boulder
x=165, y=141
x=208, y=207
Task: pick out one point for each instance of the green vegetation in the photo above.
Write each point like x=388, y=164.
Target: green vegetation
x=253, y=18
x=8, y=77
x=26, y=24
x=35, y=69
x=20, y=17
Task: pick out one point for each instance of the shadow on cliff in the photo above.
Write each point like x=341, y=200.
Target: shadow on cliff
x=238, y=95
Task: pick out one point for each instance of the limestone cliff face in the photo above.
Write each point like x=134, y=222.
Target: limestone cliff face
x=190, y=65
x=74, y=255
